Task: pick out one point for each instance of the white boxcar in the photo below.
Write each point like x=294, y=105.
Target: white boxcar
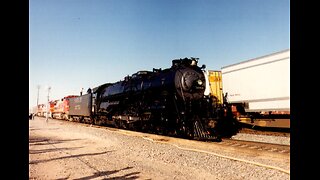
x=263, y=83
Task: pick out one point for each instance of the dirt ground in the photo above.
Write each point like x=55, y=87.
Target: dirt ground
x=65, y=150
x=58, y=152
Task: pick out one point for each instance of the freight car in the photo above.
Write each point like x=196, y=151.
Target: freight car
x=169, y=101
x=258, y=90
x=59, y=109
x=39, y=110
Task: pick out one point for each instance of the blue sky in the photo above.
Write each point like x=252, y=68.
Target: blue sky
x=76, y=44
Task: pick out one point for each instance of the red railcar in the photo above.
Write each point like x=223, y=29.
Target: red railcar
x=59, y=109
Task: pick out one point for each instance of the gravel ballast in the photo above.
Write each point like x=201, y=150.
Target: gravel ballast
x=262, y=138
x=76, y=151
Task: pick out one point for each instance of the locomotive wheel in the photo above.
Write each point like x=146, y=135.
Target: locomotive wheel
x=185, y=131
x=161, y=130
x=123, y=124
x=116, y=123
x=189, y=133
x=145, y=126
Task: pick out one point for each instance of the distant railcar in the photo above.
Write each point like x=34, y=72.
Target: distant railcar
x=59, y=108
x=40, y=110
x=80, y=107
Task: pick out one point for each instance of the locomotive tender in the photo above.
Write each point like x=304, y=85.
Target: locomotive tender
x=169, y=101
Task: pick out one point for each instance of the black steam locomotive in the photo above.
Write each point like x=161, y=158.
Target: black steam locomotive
x=169, y=101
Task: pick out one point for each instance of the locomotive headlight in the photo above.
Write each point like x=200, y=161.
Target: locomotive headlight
x=199, y=82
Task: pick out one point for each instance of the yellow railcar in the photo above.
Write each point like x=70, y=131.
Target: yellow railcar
x=215, y=85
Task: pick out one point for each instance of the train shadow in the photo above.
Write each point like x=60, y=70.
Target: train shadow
x=36, y=141
x=66, y=157
x=51, y=150
x=128, y=176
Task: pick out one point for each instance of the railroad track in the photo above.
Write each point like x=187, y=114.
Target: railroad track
x=240, y=145
x=264, y=132
x=258, y=146
x=237, y=145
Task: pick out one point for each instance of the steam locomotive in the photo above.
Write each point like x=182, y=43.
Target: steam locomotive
x=169, y=102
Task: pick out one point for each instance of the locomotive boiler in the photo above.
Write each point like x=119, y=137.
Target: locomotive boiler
x=169, y=101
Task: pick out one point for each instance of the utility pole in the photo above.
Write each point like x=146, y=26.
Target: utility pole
x=81, y=91
x=35, y=111
x=38, y=87
x=48, y=105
